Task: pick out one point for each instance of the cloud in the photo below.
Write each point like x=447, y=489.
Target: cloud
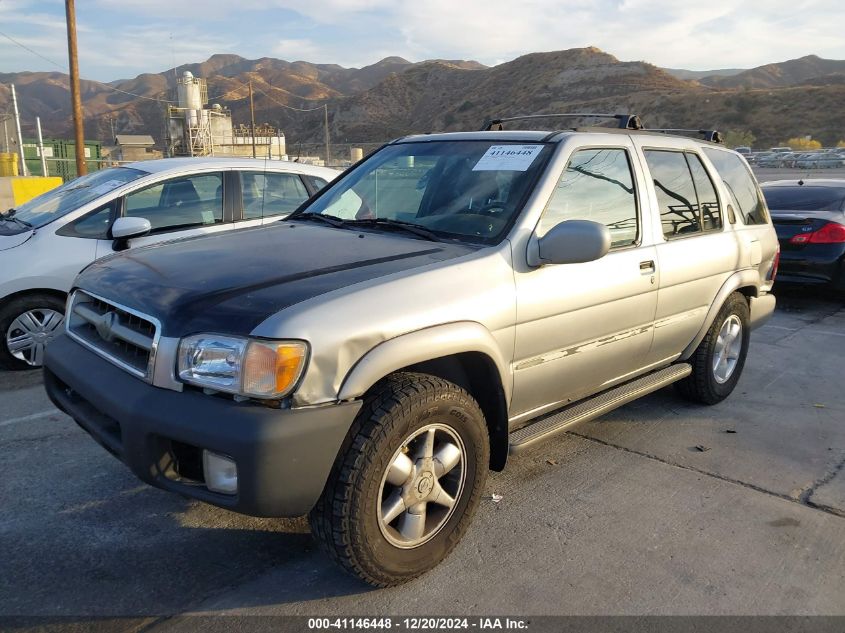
x=135, y=34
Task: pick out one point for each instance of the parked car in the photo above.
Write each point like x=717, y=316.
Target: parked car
x=47, y=241
x=451, y=299
x=809, y=216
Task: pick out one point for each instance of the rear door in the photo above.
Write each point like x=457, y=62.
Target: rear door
x=695, y=254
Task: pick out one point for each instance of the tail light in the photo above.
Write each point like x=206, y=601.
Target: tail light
x=773, y=270
x=830, y=233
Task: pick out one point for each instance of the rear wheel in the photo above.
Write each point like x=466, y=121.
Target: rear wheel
x=718, y=360
x=407, y=483
x=27, y=324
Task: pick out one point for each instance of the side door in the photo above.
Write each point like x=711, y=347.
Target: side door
x=695, y=253
x=182, y=206
x=267, y=196
x=582, y=327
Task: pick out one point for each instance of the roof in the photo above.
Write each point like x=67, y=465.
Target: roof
x=807, y=182
x=134, y=139
x=187, y=163
x=549, y=136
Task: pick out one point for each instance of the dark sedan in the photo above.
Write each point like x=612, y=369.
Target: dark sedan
x=809, y=216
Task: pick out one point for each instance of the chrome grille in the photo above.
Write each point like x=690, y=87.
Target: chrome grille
x=119, y=334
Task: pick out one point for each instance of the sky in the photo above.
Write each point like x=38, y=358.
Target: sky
x=120, y=39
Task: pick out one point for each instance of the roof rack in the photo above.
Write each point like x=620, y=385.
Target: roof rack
x=626, y=121
x=714, y=136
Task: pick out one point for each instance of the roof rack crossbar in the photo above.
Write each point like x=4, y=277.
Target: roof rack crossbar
x=626, y=121
x=714, y=136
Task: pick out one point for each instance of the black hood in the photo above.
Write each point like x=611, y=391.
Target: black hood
x=231, y=282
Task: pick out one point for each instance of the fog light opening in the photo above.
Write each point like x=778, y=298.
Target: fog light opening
x=220, y=473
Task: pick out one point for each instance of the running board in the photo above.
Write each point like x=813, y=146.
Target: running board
x=592, y=408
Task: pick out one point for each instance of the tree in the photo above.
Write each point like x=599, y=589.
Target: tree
x=840, y=144
x=739, y=138
x=799, y=142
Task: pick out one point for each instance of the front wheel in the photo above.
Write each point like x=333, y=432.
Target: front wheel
x=718, y=360
x=404, y=490
x=27, y=324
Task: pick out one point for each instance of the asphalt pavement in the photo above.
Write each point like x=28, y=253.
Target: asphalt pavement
x=661, y=507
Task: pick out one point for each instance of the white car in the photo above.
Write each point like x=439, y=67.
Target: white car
x=47, y=241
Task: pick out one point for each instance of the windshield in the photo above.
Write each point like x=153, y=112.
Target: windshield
x=802, y=198
x=72, y=195
x=468, y=190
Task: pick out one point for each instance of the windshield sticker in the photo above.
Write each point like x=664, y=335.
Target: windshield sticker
x=508, y=158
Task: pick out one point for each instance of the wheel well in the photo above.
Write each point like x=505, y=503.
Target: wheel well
x=58, y=294
x=748, y=291
x=477, y=374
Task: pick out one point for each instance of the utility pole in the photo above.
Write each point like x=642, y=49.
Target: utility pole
x=252, y=118
x=24, y=171
x=326, y=121
x=76, y=101
x=41, y=147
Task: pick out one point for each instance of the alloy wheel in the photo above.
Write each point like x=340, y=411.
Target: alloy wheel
x=421, y=486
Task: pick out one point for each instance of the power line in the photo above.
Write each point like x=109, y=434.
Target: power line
x=64, y=68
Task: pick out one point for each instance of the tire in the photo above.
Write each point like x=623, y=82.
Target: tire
x=32, y=321
x=350, y=521
x=710, y=383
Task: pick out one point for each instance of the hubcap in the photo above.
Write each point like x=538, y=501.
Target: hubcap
x=421, y=486
x=30, y=332
x=727, y=349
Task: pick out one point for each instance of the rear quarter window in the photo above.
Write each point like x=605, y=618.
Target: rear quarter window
x=740, y=183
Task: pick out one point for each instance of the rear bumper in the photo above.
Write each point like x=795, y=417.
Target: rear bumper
x=283, y=456
x=761, y=309
x=812, y=264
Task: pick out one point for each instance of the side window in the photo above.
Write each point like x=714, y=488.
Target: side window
x=708, y=201
x=596, y=185
x=675, y=193
x=94, y=225
x=266, y=194
x=740, y=184
x=180, y=203
x=316, y=182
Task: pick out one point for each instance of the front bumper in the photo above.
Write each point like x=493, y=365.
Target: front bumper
x=283, y=456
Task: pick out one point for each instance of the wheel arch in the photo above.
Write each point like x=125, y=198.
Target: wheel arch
x=744, y=281
x=20, y=294
x=464, y=353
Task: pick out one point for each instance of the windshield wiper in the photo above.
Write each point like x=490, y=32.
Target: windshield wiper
x=410, y=227
x=326, y=219
x=9, y=216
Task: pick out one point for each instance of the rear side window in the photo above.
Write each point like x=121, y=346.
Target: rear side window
x=676, y=197
x=266, y=194
x=316, y=182
x=708, y=201
x=597, y=185
x=741, y=185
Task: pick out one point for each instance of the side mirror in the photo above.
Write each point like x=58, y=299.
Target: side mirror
x=570, y=242
x=125, y=228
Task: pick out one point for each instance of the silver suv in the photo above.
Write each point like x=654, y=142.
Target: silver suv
x=450, y=300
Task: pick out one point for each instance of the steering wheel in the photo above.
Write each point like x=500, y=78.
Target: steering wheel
x=486, y=209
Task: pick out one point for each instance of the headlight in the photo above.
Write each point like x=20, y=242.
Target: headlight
x=250, y=367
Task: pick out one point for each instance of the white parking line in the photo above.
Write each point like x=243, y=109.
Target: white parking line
x=30, y=418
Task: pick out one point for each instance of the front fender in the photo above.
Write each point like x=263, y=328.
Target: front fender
x=419, y=346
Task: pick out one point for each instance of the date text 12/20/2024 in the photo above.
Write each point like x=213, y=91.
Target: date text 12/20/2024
x=417, y=624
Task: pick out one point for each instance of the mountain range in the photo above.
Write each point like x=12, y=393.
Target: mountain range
x=395, y=96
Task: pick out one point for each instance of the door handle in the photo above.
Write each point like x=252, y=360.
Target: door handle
x=647, y=267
